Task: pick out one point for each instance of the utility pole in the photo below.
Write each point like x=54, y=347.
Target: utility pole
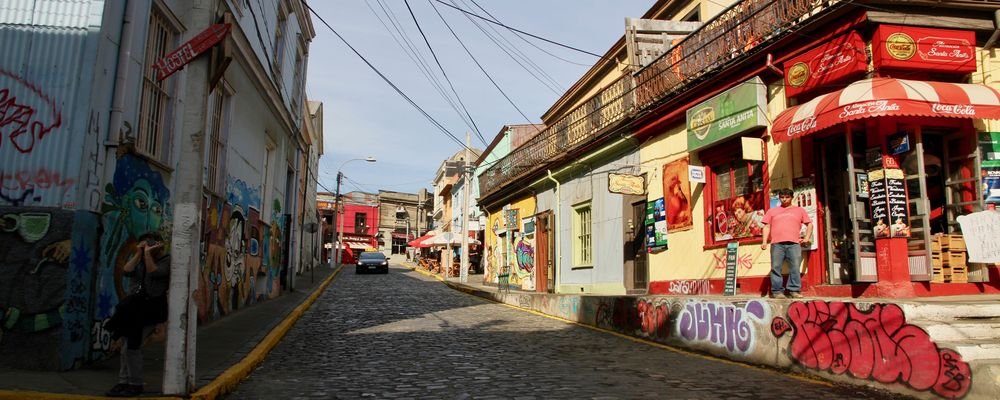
x=182, y=315
x=338, y=208
x=463, y=274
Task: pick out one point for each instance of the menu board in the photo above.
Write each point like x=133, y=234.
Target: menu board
x=889, y=203
x=878, y=199
x=899, y=210
x=731, y=259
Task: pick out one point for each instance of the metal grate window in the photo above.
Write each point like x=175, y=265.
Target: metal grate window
x=217, y=127
x=155, y=99
x=583, y=236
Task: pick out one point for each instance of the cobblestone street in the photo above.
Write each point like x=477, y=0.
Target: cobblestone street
x=404, y=335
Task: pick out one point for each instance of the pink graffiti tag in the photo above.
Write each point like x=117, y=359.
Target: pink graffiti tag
x=877, y=344
x=779, y=327
x=19, y=121
x=744, y=262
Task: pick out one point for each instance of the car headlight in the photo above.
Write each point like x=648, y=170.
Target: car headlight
x=385, y=262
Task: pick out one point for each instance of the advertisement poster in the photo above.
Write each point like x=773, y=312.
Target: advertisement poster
x=877, y=200
x=656, y=225
x=899, y=210
x=677, y=192
x=738, y=217
x=804, y=195
x=989, y=144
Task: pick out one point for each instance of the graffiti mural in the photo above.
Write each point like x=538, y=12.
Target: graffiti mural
x=26, y=114
x=136, y=203
x=35, y=253
x=692, y=286
x=875, y=344
x=640, y=317
x=242, y=256
x=523, y=250
x=726, y=325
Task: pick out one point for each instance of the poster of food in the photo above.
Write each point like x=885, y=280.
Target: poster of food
x=677, y=192
x=738, y=217
x=656, y=225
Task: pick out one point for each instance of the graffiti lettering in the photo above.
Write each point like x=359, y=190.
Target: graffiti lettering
x=697, y=286
x=744, y=262
x=876, y=344
x=653, y=319
x=20, y=121
x=724, y=324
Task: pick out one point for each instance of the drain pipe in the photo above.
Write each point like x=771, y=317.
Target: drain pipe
x=558, y=226
x=121, y=72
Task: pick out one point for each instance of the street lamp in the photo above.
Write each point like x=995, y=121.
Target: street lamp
x=340, y=207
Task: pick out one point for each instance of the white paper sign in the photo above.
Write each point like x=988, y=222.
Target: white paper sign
x=696, y=173
x=981, y=231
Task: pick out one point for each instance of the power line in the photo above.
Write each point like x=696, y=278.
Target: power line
x=530, y=42
x=443, y=72
x=480, y=66
x=522, y=32
x=386, y=79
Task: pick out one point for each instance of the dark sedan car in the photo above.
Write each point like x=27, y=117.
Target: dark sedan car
x=372, y=261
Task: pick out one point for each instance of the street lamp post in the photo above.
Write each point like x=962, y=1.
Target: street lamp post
x=340, y=208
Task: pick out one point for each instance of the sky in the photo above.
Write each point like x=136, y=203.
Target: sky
x=364, y=116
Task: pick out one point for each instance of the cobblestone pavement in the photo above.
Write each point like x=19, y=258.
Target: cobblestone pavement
x=404, y=335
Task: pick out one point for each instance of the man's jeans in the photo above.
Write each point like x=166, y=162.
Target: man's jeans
x=779, y=253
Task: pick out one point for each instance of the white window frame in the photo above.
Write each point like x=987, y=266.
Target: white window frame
x=583, y=238
x=270, y=152
x=279, y=43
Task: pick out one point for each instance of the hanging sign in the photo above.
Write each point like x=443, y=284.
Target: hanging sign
x=180, y=57
x=909, y=47
x=836, y=60
x=736, y=110
x=626, y=184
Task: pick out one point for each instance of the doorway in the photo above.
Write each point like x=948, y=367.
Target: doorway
x=544, y=248
x=636, y=267
x=850, y=241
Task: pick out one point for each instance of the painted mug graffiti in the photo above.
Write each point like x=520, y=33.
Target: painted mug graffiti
x=876, y=344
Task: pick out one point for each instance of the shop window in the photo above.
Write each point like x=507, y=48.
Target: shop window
x=582, y=228
x=736, y=197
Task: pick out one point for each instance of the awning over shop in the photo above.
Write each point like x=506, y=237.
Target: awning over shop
x=423, y=241
x=887, y=97
x=356, y=245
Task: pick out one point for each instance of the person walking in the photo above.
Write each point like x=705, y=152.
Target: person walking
x=781, y=228
x=140, y=311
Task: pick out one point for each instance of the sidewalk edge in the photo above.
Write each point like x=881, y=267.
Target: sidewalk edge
x=229, y=379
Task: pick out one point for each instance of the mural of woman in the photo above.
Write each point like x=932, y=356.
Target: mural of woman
x=746, y=220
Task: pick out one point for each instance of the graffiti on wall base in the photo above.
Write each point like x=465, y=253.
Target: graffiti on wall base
x=723, y=324
x=875, y=344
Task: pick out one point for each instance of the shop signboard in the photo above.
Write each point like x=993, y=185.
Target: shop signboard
x=656, y=225
x=181, y=56
x=626, y=184
x=736, y=110
x=836, y=60
x=910, y=47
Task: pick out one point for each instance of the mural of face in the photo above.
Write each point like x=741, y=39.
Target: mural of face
x=143, y=209
x=235, y=248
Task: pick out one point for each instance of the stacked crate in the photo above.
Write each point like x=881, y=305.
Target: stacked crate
x=949, y=259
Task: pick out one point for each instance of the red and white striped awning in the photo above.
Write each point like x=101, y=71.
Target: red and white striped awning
x=881, y=97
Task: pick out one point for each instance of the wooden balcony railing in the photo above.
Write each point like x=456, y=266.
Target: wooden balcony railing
x=725, y=38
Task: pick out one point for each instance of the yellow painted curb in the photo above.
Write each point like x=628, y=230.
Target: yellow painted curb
x=229, y=379
x=423, y=272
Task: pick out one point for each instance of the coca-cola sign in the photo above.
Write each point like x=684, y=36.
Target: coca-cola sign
x=837, y=59
x=913, y=48
x=959, y=110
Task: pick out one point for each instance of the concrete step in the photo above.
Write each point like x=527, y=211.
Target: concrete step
x=984, y=350
x=963, y=330
x=950, y=311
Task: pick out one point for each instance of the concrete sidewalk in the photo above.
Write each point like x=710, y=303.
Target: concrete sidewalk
x=228, y=351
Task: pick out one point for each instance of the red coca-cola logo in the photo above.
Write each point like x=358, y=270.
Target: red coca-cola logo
x=802, y=126
x=954, y=109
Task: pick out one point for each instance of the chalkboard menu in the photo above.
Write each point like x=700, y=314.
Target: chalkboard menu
x=899, y=210
x=731, y=258
x=889, y=203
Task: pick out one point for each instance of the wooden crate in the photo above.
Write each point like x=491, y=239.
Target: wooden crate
x=936, y=244
x=938, y=275
x=959, y=275
x=952, y=242
x=955, y=259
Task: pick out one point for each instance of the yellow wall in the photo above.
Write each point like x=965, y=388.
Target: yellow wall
x=495, y=247
x=686, y=257
x=988, y=74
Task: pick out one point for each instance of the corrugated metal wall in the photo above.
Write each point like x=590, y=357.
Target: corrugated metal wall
x=41, y=61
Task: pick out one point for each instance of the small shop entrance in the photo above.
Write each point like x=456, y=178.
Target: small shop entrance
x=842, y=180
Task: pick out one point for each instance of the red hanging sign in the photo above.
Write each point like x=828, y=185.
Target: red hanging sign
x=907, y=47
x=840, y=58
x=180, y=57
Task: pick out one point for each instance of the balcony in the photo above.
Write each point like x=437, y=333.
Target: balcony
x=724, y=40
